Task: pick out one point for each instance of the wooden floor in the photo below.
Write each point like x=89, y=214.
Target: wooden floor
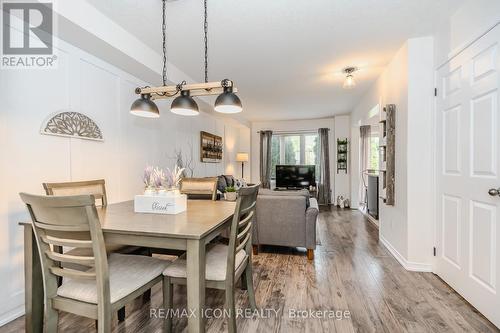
x=351, y=272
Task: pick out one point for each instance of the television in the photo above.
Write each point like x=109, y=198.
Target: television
x=295, y=176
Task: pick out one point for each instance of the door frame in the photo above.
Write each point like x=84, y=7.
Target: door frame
x=454, y=53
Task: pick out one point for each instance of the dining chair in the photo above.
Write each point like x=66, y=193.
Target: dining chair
x=199, y=188
x=106, y=284
x=225, y=264
x=98, y=189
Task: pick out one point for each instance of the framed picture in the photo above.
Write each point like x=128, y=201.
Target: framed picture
x=210, y=148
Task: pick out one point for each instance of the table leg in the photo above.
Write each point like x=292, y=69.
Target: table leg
x=196, y=284
x=33, y=283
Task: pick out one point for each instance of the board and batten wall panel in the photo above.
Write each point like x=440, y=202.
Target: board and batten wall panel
x=89, y=85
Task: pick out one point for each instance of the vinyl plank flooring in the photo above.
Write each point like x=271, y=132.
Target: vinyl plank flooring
x=351, y=272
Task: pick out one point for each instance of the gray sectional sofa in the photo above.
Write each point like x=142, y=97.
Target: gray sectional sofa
x=286, y=218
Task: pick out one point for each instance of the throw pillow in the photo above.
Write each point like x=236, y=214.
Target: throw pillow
x=221, y=184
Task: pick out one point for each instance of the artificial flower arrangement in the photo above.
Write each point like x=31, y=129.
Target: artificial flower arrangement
x=162, y=182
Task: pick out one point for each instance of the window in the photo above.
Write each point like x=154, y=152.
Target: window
x=294, y=149
x=374, y=154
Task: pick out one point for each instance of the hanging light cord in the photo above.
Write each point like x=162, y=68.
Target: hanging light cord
x=164, y=49
x=164, y=42
x=205, y=28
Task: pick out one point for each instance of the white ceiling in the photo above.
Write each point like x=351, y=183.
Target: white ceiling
x=284, y=55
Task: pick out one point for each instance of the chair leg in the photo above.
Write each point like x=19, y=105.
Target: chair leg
x=121, y=315
x=103, y=321
x=243, y=281
x=146, y=297
x=310, y=254
x=231, y=309
x=168, y=302
x=249, y=283
x=52, y=319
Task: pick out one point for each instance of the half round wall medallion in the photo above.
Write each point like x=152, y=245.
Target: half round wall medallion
x=72, y=124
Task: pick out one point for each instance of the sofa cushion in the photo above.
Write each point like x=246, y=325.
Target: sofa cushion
x=304, y=193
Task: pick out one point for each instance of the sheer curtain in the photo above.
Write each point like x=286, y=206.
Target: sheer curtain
x=364, y=139
x=265, y=158
x=324, y=168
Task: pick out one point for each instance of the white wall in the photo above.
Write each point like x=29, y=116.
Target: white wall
x=290, y=126
x=245, y=147
x=407, y=82
x=420, y=150
x=89, y=85
x=470, y=20
x=390, y=88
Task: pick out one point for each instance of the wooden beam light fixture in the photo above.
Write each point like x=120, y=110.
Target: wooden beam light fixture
x=196, y=89
x=183, y=103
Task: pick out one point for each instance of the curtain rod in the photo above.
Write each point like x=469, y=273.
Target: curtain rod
x=296, y=131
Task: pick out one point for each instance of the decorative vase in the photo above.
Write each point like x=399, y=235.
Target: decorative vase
x=174, y=190
x=161, y=191
x=149, y=190
x=230, y=196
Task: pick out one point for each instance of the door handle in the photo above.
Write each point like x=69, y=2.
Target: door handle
x=494, y=192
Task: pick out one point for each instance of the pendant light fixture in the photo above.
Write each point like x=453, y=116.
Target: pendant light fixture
x=184, y=104
x=145, y=107
x=349, y=82
x=228, y=102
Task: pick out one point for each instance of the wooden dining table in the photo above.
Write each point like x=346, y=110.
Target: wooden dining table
x=190, y=231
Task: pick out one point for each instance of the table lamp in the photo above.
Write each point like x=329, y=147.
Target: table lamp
x=242, y=157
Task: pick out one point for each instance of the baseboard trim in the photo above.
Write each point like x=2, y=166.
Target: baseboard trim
x=369, y=218
x=11, y=315
x=408, y=265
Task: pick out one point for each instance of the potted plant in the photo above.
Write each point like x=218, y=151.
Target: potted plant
x=230, y=194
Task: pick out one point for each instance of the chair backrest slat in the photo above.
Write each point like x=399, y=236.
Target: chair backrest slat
x=73, y=273
x=243, y=244
x=245, y=210
x=241, y=228
x=69, y=221
x=247, y=219
x=68, y=228
x=66, y=242
x=80, y=260
x=200, y=186
x=245, y=231
x=95, y=187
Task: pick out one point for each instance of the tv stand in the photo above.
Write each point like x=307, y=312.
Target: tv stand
x=289, y=188
x=312, y=193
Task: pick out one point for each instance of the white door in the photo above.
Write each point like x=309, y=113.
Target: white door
x=467, y=166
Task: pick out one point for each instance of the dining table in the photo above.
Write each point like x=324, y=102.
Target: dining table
x=190, y=230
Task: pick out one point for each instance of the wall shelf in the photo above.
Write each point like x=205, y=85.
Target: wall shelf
x=387, y=155
x=342, y=154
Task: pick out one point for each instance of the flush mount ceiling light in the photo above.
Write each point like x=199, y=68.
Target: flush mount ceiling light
x=349, y=82
x=184, y=104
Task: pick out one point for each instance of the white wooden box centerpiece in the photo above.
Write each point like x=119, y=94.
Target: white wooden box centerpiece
x=167, y=203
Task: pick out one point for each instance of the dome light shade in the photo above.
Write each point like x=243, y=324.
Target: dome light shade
x=145, y=107
x=228, y=102
x=184, y=105
x=349, y=82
